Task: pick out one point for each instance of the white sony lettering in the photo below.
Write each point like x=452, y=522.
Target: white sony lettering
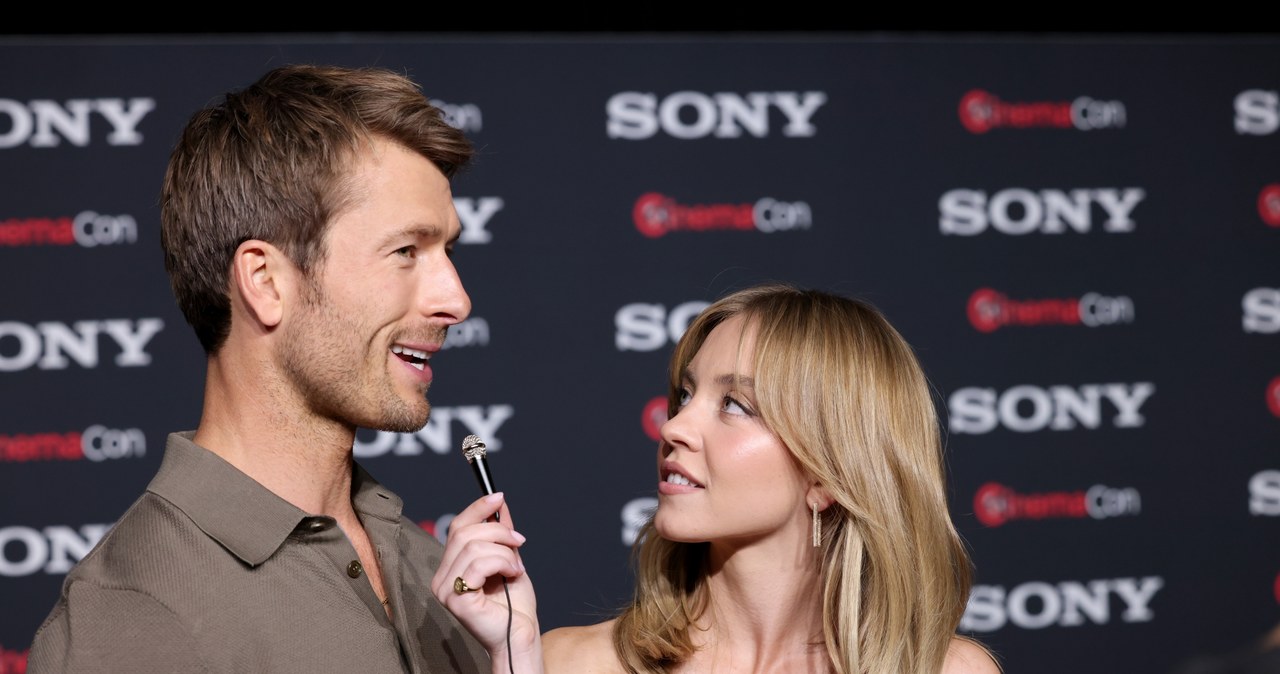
x=46, y=123
x=631, y=115
x=124, y=119
x=1038, y=604
x=1020, y=603
x=28, y=346
x=692, y=114
x=1264, y=493
x=639, y=326
x=474, y=214
x=1027, y=408
x=799, y=108
x=635, y=513
x=20, y=123
x=972, y=410
x=437, y=435
x=54, y=549
x=1257, y=112
x=1136, y=594
x=1127, y=399
x=647, y=327
x=1119, y=204
x=1261, y=310
x=738, y=113
x=78, y=342
x=1018, y=211
x=1090, y=600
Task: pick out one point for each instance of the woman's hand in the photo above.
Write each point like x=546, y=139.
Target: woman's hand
x=495, y=594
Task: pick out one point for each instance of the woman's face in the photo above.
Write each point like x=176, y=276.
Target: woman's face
x=723, y=475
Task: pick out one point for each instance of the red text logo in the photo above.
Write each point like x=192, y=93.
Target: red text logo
x=981, y=112
x=657, y=214
x=995, y=504
x=989, y=309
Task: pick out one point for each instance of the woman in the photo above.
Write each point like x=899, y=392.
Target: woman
x=793, y=415
x=802, y=521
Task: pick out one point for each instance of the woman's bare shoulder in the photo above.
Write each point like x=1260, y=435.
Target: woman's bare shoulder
x=584, y=649
x=966, y=656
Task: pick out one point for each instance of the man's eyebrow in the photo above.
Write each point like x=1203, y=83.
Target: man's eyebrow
x=417, y=231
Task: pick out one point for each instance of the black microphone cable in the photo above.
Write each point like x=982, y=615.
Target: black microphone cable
x=474, y=450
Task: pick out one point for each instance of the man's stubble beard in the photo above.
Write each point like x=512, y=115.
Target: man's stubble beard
x=321, y=348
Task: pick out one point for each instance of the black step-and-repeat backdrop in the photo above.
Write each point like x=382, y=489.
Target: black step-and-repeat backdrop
x=1080, y=236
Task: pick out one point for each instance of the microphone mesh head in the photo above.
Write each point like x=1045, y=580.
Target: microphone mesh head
x=472, y=447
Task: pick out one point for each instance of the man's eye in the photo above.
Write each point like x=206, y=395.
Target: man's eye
x=406, y=251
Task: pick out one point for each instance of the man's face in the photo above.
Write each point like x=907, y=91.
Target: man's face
x=356, y=348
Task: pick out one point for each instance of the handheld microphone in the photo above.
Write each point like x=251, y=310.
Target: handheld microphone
x=474, y=450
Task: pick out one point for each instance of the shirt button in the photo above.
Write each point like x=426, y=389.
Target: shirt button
x=354, y=569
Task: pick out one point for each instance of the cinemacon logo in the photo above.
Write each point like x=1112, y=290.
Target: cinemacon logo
x=1269, y=204
x=1273, y=396
x=1037, y=604
x=87, y=229
x=989, y=310
x=464, y=116
x=44, y=123
x=1257, y=112
x=656, y=214
x=54, y=549
x=1026, y=408
x=1017, y=211
x=996, y=504
x=95, y=443
x=55, y=346
x=981, y=112
x=636, y=115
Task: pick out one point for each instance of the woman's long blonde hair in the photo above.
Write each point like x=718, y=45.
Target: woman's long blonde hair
x=845, y=393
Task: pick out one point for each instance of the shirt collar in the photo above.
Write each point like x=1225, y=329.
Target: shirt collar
x=246, y=518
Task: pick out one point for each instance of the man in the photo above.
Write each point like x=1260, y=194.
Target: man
x=307, y=227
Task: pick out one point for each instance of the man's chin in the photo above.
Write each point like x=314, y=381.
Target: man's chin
x=408, y=419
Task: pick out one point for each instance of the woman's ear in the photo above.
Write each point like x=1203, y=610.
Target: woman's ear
x=818, y=494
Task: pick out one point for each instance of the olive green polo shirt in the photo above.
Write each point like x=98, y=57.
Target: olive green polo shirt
x=208, y=571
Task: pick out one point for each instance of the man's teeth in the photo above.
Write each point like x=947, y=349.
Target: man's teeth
x=418, y=358
x=676, y=478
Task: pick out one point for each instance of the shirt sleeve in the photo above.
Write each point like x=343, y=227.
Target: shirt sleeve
x=106, y=630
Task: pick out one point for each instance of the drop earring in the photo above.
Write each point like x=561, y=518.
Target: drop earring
x=817, y=526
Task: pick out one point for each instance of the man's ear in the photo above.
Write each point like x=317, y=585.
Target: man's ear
x=262, y=277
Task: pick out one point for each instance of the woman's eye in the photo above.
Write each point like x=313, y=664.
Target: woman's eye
x=683, y=396
x=406, y=251
x=733, y=407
